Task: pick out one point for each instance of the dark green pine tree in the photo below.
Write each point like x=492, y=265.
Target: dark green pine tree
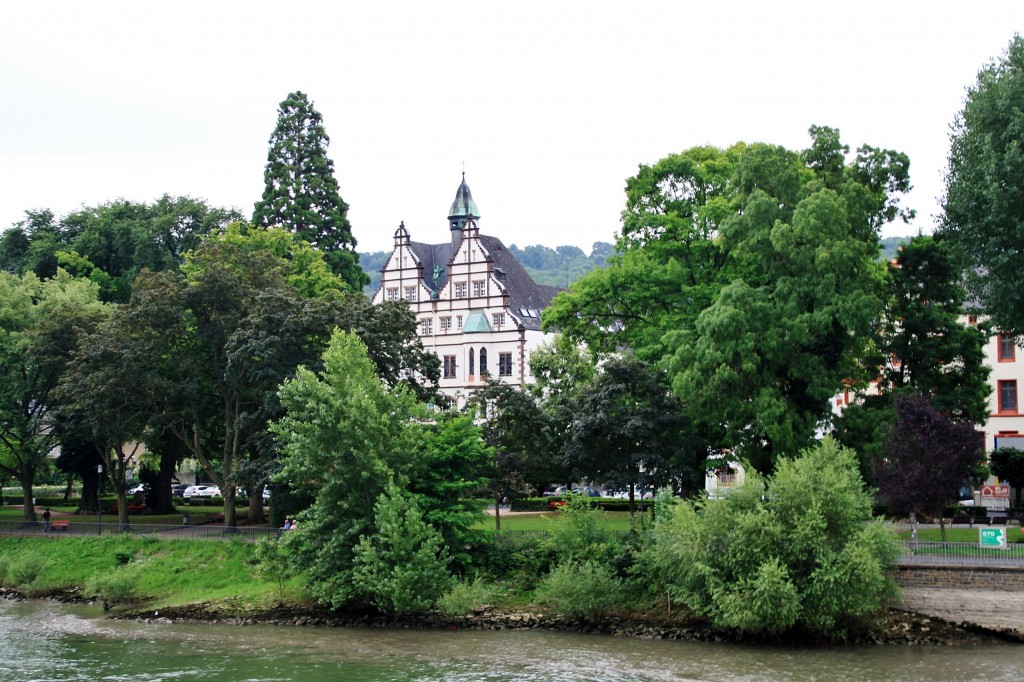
x=301, y=192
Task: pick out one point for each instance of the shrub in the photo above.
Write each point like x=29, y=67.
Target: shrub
x=26, y=570
x=467, y=596
x=800, y=551
x=403, y=567
x=581, y=532
x=585, y=589
x=118, y=586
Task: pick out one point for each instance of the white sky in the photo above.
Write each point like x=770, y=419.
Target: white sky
x=551, y=105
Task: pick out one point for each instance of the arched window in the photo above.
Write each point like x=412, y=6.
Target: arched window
x=471, y=371
x=483, y=361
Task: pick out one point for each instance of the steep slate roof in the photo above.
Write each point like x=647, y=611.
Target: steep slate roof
x=526, y=297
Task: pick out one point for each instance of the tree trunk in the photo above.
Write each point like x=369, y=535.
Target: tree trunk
x=255, y=512
x=69, y=488
x=163, y=501
x=228, y=492
x=25, y=479
x=121, y=490
x=632, y=499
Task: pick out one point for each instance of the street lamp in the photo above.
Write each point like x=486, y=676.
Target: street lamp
x=99, y=499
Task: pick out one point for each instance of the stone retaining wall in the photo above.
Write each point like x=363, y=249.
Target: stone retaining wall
x=1004, y=578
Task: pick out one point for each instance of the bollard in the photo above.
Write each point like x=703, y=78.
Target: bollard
x=184, y=519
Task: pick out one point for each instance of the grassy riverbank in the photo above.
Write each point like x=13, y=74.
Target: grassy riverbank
x=162, y=572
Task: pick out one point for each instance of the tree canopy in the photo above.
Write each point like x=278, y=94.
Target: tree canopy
x=300, y=191
x=983, y=218
x=751, y=274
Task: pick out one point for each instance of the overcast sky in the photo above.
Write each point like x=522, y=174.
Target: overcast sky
x=549, y=106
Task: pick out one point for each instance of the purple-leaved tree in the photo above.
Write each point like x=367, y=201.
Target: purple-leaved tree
x=928, y=457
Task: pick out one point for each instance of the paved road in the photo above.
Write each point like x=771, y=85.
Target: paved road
x=988, y=608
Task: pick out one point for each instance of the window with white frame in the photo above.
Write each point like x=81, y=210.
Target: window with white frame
x=498, y=319
x=410, y=293
x=460, y=290
x=479, y=287
x=392, y=293
x=427, y=326
x=445, y=324
x=458, y=322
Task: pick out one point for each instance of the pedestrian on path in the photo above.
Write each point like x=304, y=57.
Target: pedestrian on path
x=46, y=520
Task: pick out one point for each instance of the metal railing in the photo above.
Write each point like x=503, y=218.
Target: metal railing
x=80, y=528
x=961, y=553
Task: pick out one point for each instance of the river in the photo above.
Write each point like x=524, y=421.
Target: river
x=42, y=641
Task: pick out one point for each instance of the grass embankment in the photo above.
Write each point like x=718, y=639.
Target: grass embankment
x=164, y=573
x=1013, y=534
x=613, y=521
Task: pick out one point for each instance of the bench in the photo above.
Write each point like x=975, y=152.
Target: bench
x=962, y=520
x=60, y=525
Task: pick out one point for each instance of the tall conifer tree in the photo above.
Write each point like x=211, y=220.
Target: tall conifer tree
x=301, y=192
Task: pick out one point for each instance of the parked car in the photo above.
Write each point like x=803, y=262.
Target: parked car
x=178, y=489
x=197, y=491
x=139, y=488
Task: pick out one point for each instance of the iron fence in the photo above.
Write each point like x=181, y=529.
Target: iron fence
x=961, y=553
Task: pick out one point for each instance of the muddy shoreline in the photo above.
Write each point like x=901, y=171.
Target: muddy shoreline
x=894, y=627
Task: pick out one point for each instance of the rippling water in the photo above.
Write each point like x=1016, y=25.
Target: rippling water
x=44, y=641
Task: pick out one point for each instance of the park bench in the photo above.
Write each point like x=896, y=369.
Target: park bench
x=962, y=520
x=60, y=525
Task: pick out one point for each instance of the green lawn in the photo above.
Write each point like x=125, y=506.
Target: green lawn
x=958, y=534
x=547, y=521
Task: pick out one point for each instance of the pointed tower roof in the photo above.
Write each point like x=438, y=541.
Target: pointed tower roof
x=463, y=208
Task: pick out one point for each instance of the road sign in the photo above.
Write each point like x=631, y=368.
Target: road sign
x=993, y=538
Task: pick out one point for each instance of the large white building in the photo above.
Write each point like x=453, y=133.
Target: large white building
x=478, y=309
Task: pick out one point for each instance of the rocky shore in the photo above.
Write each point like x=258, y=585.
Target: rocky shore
x=894, y=627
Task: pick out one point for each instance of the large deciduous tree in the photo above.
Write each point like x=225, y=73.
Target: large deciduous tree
x=300, y=191
x=1008, y=464
x=111, y=243
x=39, y=327
x=923, y=346
x=751, y=274
x=628, y=431
x=983, y=214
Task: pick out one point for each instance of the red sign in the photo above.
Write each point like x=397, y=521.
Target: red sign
x=993, y=491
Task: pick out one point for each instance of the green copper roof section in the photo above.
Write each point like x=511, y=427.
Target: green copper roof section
x=463, y=206
x=476, y=322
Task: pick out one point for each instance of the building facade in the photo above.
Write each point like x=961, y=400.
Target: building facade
x=477, y=308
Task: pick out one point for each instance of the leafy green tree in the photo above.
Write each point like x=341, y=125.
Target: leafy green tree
x=403, y=566
x=449, y=473
x=936, y=353
x=983, y=219
x=751, y=274
x=628, y=431
x=343, y=436
x=800, y=552
x=111, y=243
x=39, y=327
x=929, y=457
x=922, y=347
x=301, y=192
x=518, y=429
x=1008, y=464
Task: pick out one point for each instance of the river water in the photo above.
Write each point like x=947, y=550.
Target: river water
x=41, y=641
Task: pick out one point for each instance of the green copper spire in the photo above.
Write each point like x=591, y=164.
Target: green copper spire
x=463, y=208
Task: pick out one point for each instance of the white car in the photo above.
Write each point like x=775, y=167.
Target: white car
x=200, y=491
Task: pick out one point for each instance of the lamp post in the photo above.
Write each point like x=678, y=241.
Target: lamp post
x=99, y=499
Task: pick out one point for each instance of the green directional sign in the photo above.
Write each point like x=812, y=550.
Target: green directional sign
x=993, y=537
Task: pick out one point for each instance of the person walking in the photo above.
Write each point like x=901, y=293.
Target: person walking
x=46, y=520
